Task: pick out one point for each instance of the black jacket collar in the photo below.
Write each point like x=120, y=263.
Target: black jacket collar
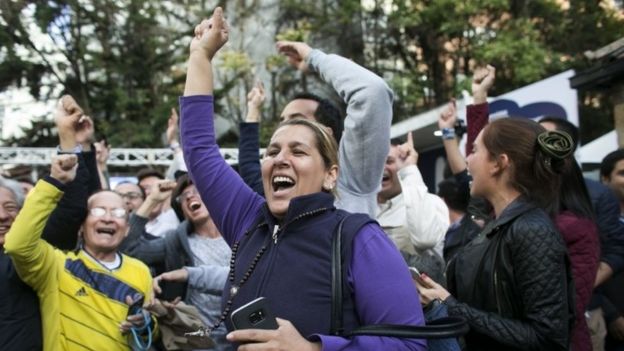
x=300, y=205
x=516, y=208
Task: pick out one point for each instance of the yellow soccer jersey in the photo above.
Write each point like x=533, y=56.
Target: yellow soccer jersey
x=82, y=302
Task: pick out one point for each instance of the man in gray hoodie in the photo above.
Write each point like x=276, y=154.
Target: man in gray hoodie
x=364, y=143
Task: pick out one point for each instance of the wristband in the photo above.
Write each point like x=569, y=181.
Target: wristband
x=448, y=133
x=174, y=146
x=76, y=150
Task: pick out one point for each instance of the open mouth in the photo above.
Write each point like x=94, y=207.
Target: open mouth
x=385, y=177
x=282, y=183
x=194, y=205
x=107, y=231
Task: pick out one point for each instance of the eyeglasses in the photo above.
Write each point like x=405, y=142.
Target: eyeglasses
x=185, y=195
x=131, y=195
x=101, y=211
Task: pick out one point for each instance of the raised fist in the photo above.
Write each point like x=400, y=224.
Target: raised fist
x=172, y=127
x=256, y=96
x=448, y=116
x=102, y=152
x=74, y=127
x=63, y=167
x=482, y=81
x=210, y=35
x=161, y=190
x=255, y=99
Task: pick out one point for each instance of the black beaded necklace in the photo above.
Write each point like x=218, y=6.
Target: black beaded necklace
x=234, y=288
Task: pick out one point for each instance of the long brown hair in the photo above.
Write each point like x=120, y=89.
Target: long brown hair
x=532, y=172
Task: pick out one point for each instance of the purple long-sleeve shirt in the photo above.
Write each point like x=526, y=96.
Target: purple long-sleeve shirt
x=383, y=289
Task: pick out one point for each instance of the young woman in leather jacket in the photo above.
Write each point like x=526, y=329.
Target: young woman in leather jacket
x=512, y=282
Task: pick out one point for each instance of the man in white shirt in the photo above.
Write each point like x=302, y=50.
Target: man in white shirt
x=413, y=218
x=163, y=218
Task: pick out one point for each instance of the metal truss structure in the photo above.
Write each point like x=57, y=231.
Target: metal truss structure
x=118, y=157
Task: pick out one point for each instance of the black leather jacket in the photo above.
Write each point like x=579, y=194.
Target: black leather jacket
x=512, y=284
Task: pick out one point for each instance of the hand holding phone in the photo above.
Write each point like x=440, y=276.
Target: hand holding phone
x=254, y=315
x=417, y=276
x=415, y=273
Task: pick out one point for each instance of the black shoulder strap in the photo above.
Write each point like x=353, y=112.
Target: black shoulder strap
x=336, y=273
x=356, y=221
x=442, y=328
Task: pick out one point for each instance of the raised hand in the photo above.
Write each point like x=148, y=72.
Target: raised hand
x=482, y=81
x=102, y=153
x=172, y=127
x=448, y=117
x=63, y=167
x=161, y=190
x=84, y=130
x=407, y=154
x=210, y=35
x=296, y=53
x=255, y=100
x=73, y=126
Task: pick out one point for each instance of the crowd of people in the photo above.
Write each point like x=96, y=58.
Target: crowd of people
x=517, y=243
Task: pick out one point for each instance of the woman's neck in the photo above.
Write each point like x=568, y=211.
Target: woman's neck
x=501, y=199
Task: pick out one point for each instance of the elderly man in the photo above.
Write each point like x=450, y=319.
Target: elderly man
x=20, y=319
x=84, y=295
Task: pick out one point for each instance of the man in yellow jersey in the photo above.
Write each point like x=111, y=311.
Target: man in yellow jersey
x=85, y=295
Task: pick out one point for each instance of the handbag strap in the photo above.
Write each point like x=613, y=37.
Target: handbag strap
x=441, y=328
x=336, y=327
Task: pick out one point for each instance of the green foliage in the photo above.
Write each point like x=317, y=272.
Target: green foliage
x=300, y=33
x=275, y=62
x=124, y=59
x=517, y=50
x=114, y=56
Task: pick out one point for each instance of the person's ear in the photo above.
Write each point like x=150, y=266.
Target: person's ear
x=331, y=175
x=328, y=130
x=501, y=164
x=605, y=179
